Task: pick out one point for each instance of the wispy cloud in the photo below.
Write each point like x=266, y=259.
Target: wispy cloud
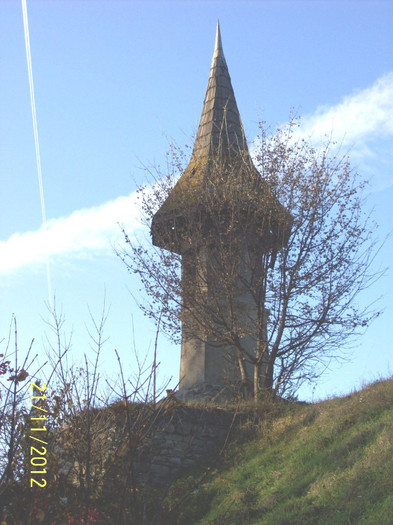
x=80, y=234
x=363, y=124
x=359, y=117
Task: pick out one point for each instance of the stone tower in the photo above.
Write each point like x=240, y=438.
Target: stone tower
x=219, y=192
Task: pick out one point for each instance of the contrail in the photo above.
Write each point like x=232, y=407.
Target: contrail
x=36, y=142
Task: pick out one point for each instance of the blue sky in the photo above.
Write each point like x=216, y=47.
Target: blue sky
x=114, y=81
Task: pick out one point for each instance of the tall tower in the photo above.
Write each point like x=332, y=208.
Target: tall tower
x=222, y=218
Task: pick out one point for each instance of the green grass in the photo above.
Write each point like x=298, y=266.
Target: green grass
x=325, y=463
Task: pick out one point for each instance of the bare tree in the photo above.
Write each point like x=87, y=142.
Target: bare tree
x=270, y=263
x=14, y=392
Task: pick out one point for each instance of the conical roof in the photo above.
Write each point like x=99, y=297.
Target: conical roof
x=220, y=137
x=220, y=128
x=220, y=161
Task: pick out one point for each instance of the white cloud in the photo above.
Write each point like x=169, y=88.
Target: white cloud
x=363, y=124
x=359, y=117
x=81, y=233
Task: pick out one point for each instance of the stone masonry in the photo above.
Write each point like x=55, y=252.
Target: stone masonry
x=183, y=437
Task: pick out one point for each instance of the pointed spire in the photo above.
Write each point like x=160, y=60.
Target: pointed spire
x=218, y=45
x=220, y=128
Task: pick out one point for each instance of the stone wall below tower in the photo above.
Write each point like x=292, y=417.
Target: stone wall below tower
x=183, y=436
x=144, y=445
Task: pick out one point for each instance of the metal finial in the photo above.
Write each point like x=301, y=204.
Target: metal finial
x=218, y=51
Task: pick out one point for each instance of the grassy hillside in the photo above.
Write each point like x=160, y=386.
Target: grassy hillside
x=325, y=463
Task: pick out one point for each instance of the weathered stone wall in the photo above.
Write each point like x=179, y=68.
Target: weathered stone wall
x=140, y=444
x=183, y=436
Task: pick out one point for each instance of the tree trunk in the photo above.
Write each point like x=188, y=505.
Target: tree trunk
x=268, y=376
x=257, y=381
x=243, y=376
